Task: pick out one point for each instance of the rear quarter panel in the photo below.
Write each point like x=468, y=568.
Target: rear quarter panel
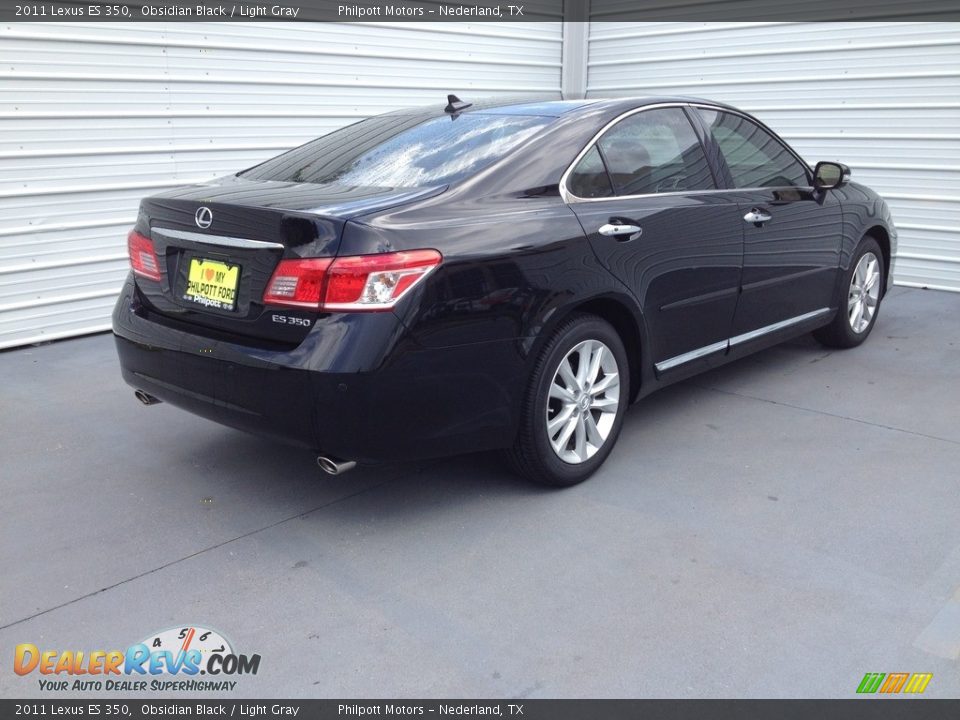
x=511, y=265
x=513, y=268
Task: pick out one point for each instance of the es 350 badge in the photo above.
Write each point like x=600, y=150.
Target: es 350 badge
x=171, y=659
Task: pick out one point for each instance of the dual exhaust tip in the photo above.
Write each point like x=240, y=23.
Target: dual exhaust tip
x=330, y=465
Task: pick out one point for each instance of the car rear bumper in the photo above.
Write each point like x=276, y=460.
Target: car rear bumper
x=357, y=389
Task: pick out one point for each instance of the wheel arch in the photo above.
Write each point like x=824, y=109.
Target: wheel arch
x=625, y=318
x=882, y=236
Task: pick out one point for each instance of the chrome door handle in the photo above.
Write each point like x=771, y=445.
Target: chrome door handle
x=757, y=217
x=616, y=230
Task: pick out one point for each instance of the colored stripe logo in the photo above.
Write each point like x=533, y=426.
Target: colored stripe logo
x=894, y=683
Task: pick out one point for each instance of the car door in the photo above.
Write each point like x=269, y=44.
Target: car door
x=649, y=204
x=792, y=233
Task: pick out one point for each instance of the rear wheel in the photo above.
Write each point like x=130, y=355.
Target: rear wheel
x=861, y=301
x=574, y=408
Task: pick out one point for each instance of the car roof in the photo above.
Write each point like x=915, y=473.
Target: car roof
x=551, y=108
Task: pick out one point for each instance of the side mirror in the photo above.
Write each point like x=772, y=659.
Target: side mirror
x=830, y=175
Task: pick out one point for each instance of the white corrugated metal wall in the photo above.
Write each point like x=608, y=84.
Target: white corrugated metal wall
x=93, y=117
x=882, y=97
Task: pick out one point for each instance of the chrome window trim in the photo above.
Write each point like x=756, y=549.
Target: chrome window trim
x=569, y=198
x=223, y=240
x=775, y=136
x=737, y=340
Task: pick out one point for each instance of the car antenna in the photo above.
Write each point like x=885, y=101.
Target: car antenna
x=455, y=105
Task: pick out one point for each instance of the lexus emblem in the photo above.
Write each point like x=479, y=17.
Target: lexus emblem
x=203, y=218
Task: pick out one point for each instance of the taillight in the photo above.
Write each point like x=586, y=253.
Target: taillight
x=361, y=282
x=297, y=283
x=143, y=257
x=376, y=282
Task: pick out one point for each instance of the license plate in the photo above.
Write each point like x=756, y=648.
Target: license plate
x=212, y=284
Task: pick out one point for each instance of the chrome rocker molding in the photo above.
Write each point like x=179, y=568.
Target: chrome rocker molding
x=693, y=355
x=224, y=240
x=754, y=334
x=724, y=345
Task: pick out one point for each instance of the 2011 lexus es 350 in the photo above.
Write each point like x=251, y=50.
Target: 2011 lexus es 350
x=501, y=275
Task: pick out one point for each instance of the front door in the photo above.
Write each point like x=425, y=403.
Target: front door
x=792, y=233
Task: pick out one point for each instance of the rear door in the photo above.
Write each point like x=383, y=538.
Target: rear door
x=792, y=233
x=649, y=204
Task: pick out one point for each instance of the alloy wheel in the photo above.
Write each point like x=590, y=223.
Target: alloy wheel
x=583, y=401
x=864, y=293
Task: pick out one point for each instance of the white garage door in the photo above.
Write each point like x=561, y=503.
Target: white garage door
x=882, y=97
x=93, y=117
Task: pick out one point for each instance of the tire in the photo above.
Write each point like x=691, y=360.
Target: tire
x=860, y=301
x=588, y=407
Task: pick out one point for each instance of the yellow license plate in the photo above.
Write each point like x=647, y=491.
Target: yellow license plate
x=212, y=284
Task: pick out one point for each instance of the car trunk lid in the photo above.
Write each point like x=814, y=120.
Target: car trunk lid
x=218, y=244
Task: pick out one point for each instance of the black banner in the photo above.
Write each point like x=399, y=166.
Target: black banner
x=476, y=11
x=858, y=709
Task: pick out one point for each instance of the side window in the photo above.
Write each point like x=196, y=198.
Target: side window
x=655, y=151
x=589, y=178
x=754, y=156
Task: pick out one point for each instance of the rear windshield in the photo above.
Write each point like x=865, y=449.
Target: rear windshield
x=397, y=151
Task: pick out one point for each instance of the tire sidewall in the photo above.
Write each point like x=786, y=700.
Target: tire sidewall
x=587, y=328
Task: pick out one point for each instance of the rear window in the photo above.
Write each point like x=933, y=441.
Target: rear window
x=397, y=151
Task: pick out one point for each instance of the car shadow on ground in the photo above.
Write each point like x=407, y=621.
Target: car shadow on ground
x=247, y=463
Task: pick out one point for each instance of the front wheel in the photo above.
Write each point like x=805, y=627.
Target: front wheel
x=861, y=302
x=574, y=408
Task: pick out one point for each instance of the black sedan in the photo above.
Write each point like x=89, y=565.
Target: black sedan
x=492, y=276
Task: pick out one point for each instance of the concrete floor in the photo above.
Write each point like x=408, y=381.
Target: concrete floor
x=776, y=528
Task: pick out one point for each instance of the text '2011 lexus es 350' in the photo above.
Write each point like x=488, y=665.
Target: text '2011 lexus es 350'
x=503, y=275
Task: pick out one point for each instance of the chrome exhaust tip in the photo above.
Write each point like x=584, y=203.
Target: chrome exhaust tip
x=333, y=466
x=146, y=398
